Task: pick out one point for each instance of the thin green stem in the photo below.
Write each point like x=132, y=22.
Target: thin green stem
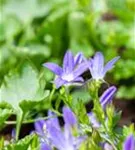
x=20, y=116
x=51, y=94
x=29, y=121
x=56, y=112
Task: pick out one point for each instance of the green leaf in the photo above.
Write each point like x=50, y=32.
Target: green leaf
x=22, y=144
x=27, y=10
x=36, y=52
x=81, y=94
x=9, y=27
x=81, y=112
x=127, y=130
x=113, y=31
x=126, y=92
x=4, y=114
x=22, y=84
x=78, y=32
x=124, y=69
x=112, y=118
x=7, y=59
x=1, y=142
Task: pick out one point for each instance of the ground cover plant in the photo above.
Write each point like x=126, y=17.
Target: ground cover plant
x=67, y=75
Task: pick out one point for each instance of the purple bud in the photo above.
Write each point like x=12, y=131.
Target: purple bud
x=107, y=96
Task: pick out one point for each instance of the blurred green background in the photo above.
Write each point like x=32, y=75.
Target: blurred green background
x=42, y=30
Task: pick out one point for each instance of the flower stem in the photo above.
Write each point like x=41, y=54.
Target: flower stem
x=29, y=121
x=20, y=116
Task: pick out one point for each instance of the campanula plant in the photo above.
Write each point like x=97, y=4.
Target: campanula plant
x=103, y=114
x=73, y=126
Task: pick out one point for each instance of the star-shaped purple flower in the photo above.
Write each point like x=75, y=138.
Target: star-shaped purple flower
x=97, y=68
x=129, y=143
x=64, y=139
x=73, y=67
x=55, y=137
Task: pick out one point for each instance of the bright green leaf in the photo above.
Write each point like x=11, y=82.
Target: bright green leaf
x=4, y=114
x=22, y=84
x=22, y=144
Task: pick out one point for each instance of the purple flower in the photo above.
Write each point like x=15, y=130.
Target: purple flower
x=97, y=68
x=105, y=99
x=64, y=139
x=54, y=136
x=73, y=67
x=129, y=143
x=42, y=132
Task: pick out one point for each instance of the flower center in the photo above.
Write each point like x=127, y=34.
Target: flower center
x=68, y=77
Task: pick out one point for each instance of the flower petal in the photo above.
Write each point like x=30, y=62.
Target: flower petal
x=69, y=117
x=90, y=65
x=59, y=82
x=44, y=146
x=78, y=58
x=56, y=137
x=54, y=68
x=68, y=62
x=110, y=64
x=107, y=96
x=54, y=120
x=69, y=143
x=98, y=63
x=79, y=140
x=129, y=143
x=79, y=79
x=39, y=126
x=81, y=68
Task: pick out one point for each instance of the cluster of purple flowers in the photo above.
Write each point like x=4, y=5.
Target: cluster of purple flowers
x=51, y=134
x=70, y=137
x=74, y=67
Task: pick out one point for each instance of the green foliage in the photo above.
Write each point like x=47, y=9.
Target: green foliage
x=126, y=92
x=42, y=30
x=24, y=144
x=4, y=114
x=81, y=112
x=21, y=85
x=112, y=118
